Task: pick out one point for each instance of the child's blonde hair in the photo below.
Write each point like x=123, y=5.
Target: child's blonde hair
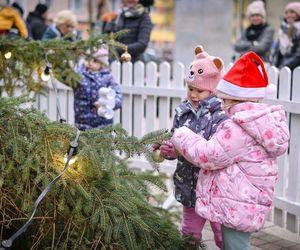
x=234, y=102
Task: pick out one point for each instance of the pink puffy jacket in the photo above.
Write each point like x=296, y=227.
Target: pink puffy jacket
x=238, y=165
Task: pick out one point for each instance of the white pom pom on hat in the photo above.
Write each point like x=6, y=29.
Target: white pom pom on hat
x=271, y=89
x=247, y=79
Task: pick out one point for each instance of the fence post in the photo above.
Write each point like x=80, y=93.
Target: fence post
x=116, y=73
x=284, y=91
x=126, y=114
x=151, y=81
x=294, y=155
x=138, y=100
x=178, y=83
x=164, y=102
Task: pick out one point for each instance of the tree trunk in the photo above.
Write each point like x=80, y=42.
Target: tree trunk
x=91, y=24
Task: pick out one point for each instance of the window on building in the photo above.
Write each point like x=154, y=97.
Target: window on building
x=75, y=5
x=20, y=2
x=47, y=2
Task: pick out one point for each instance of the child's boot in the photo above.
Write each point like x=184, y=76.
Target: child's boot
x=200, y=245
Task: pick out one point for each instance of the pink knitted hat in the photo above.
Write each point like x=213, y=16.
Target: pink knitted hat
x=205, y=71
x=102, y=55
x=294, y=6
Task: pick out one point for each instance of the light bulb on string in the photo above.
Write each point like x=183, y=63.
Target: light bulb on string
x=71, y=161
x=74, y=157
x=8, y=55
x=46, y=74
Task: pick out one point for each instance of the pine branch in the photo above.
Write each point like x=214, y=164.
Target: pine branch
x=29, y=58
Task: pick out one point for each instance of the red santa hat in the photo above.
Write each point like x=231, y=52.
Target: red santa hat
x=246, y=80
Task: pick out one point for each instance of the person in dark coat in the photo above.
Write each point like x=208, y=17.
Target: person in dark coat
x=287, y=50
x=258, y=36
x=134, y=17
x=37, y=21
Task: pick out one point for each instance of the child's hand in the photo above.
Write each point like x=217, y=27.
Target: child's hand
x=97, y=104
x=168, y=150
x=155, y=146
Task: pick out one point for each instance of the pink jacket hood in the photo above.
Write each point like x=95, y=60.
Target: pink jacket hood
x=266, y=124
x=238, y=165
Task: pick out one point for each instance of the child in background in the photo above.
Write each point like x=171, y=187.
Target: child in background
x=95, y=75
x=201, y=113
x=239, y=163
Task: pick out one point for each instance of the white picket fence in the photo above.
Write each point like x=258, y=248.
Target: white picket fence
x=151, y=92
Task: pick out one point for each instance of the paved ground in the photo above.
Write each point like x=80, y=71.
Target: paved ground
x=271, y=237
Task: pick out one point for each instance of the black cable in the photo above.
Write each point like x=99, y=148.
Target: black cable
x=49, y=66
x=61, y=120
x=73, y=146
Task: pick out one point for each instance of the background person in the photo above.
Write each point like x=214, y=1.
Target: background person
x=65, y=23
x=258, y=36
x=19, y=8
x=287, y=49
x=10, y=19
x=134, y=17
x=37, y=21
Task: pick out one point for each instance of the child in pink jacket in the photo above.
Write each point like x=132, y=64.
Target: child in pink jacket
x=239, y=163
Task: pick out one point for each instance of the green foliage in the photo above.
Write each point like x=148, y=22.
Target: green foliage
x=98, y=204
x=28, y=60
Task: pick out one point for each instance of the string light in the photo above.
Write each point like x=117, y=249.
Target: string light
x=71, y=161
x=8, y=55
x=73, y=146
x=46, y=74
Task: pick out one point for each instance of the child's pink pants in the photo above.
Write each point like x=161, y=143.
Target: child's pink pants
x=192, y=224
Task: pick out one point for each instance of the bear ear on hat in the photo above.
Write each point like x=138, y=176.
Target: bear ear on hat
x=218, y=62
x=198, y=49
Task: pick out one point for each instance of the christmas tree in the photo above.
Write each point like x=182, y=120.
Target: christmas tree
x=99, y=202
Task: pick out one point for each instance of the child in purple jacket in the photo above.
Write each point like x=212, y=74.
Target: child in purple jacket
x=95, y=75
x=201, y=113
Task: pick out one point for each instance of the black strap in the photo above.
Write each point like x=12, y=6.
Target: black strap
x=61, y=120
